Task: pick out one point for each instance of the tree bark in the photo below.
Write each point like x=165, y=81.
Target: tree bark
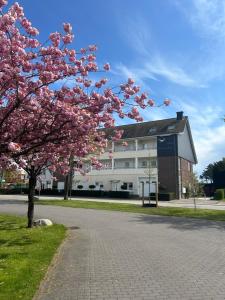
x=31, y=193
x=66, y=187
x=68, y=180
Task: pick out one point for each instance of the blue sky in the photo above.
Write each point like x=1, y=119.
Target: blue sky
x=173, y=48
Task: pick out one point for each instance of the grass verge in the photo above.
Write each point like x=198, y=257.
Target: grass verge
x=216, y=215
x=25, y=255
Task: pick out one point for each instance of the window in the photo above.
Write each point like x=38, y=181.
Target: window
x=144, y=146
x=152, y=130
x=130, y=186
x=171, y=127
x=153, y=163
x=127, y=164
x=144, y=163
x=127, y=186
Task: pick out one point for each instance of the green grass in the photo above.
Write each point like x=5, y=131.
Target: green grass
x=25, y=255
x=216, y=215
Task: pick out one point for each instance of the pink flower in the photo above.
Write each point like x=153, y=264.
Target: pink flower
x=107, y=67
x=67, y=27
x=92, y=47
x=87, y=83
x=3, y=2
x=151, y=102
x=98, y=85
x=166, y=102
x=91, y=57
x=14, y=147
x=67, y=39
x=130, y=81
x=83, y=50
x=136, y=89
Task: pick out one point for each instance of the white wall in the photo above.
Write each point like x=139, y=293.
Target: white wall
x=184, y=146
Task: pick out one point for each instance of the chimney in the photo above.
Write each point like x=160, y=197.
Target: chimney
x=180, y=115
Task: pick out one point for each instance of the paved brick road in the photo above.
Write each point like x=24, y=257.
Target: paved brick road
x=131, y=256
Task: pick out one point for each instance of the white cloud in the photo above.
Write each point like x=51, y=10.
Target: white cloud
x=155, y=68
x=137, y=33
x=173, y=73
x=208, y=17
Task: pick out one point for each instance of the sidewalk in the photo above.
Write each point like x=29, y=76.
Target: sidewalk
x=204, y=203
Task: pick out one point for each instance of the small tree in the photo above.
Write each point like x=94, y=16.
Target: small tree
x=195, y=187
x=150, y=172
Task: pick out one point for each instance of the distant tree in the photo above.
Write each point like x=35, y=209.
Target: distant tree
x=207, y=174
x=219, y=166
x=214, y=173
x=219, y=174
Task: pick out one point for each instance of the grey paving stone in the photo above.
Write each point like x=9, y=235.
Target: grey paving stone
x=131, y=256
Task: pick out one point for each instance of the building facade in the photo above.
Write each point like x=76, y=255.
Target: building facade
x=159, y=155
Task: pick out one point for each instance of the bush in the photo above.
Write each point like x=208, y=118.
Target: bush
x=163, y=196
x=100, y=193
x=80, y=187
x=118, y=194
x=91, y=186
x=219, y=194
x=51, y=192
x=123, y=187
x=80, y=192
x=87, y=193
x=166, y=196
x=14, y=191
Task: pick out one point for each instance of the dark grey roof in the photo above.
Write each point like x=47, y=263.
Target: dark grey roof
x=151, y=128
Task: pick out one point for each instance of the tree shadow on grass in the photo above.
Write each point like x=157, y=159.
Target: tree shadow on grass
x=180, y=223
x=23, y=241
x=11, y=225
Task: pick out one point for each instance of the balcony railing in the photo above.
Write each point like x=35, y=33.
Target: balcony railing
x=125, y=167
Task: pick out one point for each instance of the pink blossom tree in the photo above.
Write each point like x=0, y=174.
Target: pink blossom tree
x=44, y=125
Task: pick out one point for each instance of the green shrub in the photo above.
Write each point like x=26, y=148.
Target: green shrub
x=91, y=186
x=163, y=196
x=166, y=196
x=219, y=194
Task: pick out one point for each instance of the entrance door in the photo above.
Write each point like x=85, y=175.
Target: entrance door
x=144, y=188
x=115, y=185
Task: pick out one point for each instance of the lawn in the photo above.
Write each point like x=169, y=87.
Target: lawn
x=25, y=255
x=216, y=215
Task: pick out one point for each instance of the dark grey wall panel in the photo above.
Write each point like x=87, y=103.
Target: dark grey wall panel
x=167, y=145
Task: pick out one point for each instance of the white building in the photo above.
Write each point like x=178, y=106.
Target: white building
x=158, y=152
x=129, y=166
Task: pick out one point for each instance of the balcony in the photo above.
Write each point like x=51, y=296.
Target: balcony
x=119, y=147
x=147, y=144
x=147, y=163
x=124, y=163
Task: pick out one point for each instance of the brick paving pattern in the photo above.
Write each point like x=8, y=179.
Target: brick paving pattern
x=122, y=256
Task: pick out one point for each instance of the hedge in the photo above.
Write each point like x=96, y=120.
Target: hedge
x=163, y=196
x=81, y=193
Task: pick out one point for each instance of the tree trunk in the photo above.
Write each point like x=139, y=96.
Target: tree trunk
x=68, y=180
x=66, y=187
x=31, y=193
